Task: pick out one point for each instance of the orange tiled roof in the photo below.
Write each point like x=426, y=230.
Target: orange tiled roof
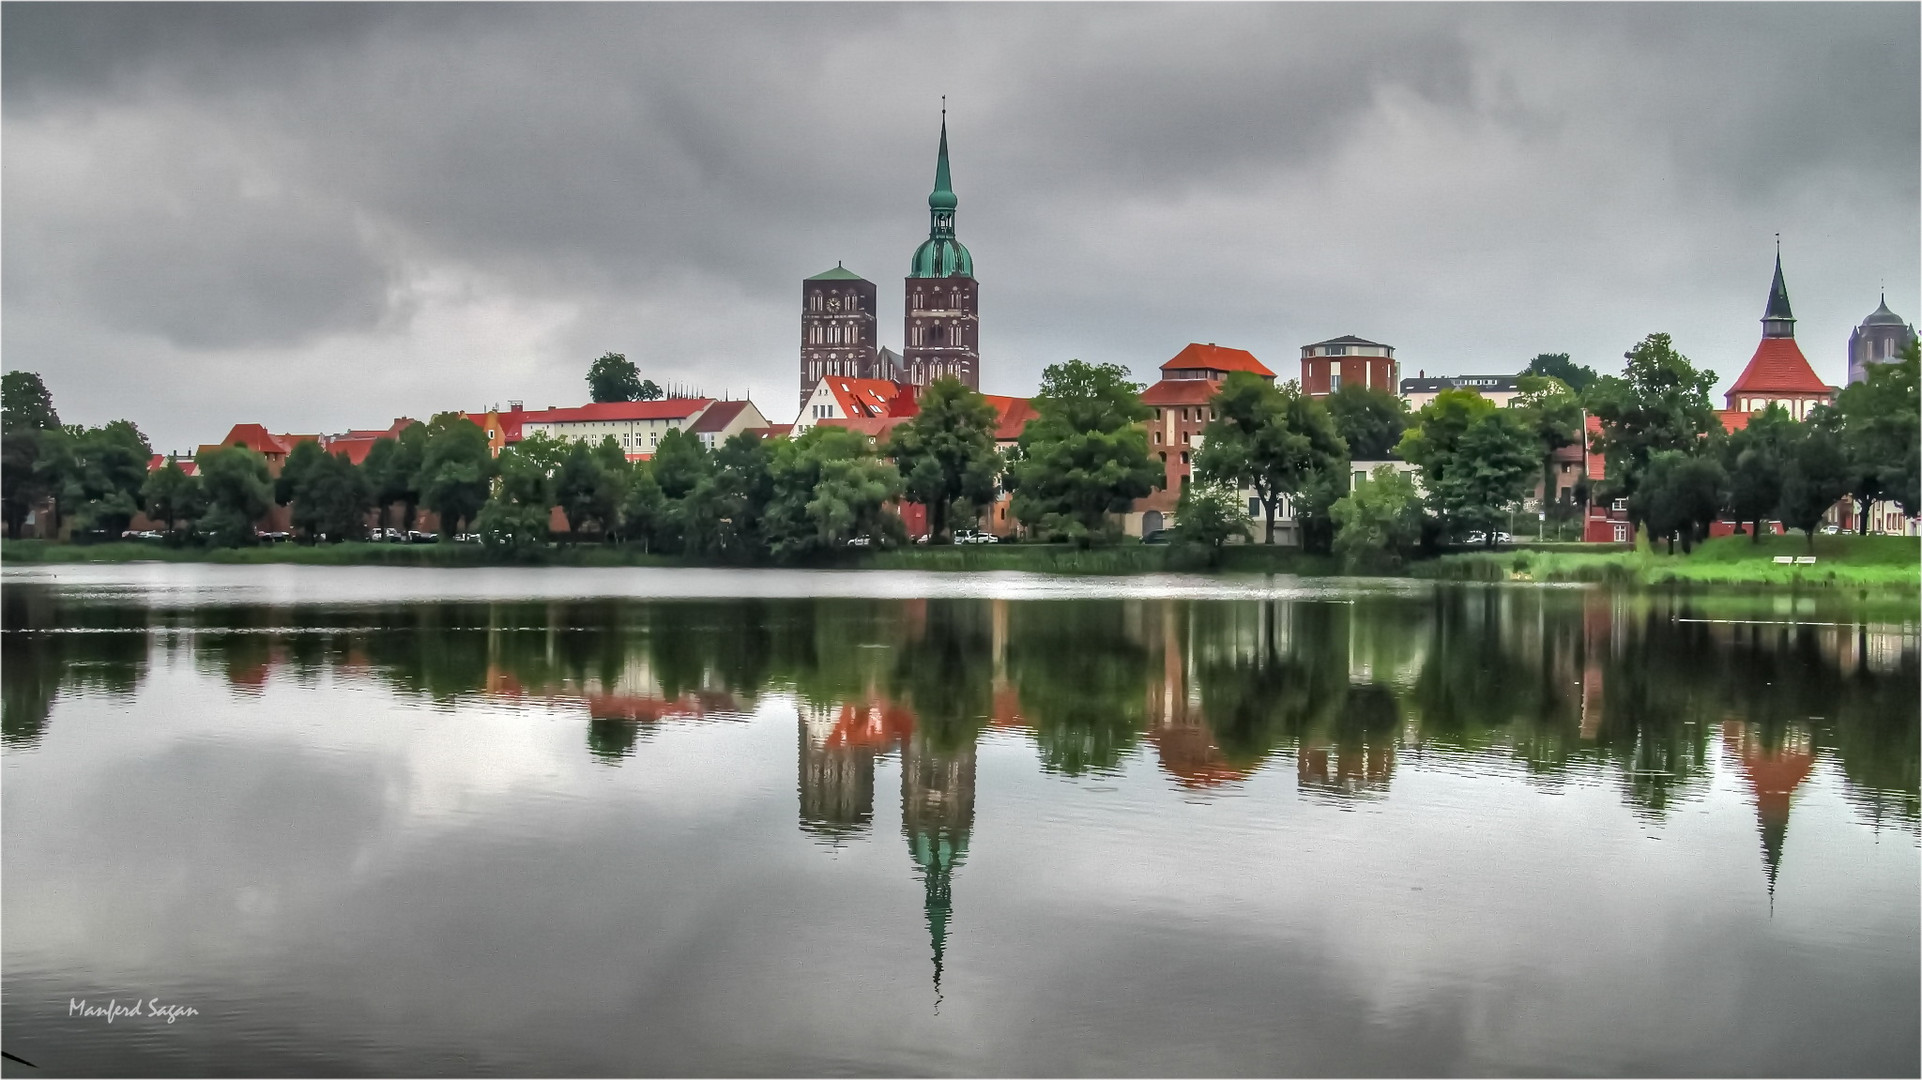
x=1180, y=392
x=1216, y=358
x=664, y=409
x=1733, y=420
x=1779, y=367
x=1011, y=416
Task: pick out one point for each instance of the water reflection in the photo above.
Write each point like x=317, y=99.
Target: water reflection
x=1342, y=699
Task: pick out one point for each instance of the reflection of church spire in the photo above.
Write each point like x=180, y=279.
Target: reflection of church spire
x=1773, y=774
x=937, y=814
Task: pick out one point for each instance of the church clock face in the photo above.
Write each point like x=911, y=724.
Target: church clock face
x=834, y=303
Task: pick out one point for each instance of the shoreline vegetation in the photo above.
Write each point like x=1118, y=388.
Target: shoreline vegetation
x=1842, y=561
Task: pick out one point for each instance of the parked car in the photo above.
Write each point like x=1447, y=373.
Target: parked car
x=272, y=537
x=415, y=536
x=974, y=536
x=859, y=541
x=1159, y=536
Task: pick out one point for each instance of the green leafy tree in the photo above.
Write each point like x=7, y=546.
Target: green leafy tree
x=613, y=377
x=393, y=470
x=1369, y=419
x=1877, y=420
x=332, y=498
x=728, y=508
x=239, y=490
x=1659, y=403
x=649, y=391
x=644, y=512
x=828, y=488
x=456, y=470
x=1817, y=475
x=548, y=451
x=1554, y=413
x=1476, y=460
x=1680, y=495
x=25, y=404
x=302, y=460
x=1085, y=455
x=1756, y=460
x=680, y=461
x=516, y=514
x=1378, y=524
x=589, y=486
x=30, y=426
x=946, y=453
x=1274, y=441
x=171, y=496
x=102, y=481
x=1209, y=515
x=1323, y=471
x=1558, y=366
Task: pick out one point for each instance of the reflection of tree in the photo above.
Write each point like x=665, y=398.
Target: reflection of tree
x=29, y=680
x=1271, y=675
x=610, y=739
x=1082, y=679
x=947, y=671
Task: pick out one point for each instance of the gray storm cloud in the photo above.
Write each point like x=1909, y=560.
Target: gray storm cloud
x=324, y=216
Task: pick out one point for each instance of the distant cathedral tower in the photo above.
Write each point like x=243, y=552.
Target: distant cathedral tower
x=1880, y=339
x=837, y=328
x=940, y=328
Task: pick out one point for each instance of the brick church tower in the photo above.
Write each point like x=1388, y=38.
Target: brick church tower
x=837, y=328
x=940, y=327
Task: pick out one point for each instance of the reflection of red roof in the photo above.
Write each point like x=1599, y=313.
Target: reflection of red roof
x=876, y=724
x=601, y=411
x=1011, y=415
x=1216, y=358
x=1180, y=392
x=1778, y=367
x=1191, y=757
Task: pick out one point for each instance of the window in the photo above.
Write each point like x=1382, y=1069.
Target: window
x=1184, y=457
x=1157, y=414
x=1334, y=381
x=1619, y=504
x=652, y=439
x=1163, y=455
x=1184, y=439
x=1334, y=350
x=1157, y=438
x=1621, y=534
x=1254, y=507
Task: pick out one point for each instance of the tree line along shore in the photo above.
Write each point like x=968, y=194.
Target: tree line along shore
x=1082, y=461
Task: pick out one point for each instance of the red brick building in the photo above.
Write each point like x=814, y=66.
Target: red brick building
x=1327, y=366
x=1179, y=413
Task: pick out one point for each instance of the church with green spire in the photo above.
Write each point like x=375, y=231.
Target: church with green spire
x=941, y=313
x=940, y=323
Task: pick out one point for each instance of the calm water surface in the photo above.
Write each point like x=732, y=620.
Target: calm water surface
x=369, y=821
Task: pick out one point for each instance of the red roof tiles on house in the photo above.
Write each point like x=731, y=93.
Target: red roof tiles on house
x=1733, y=420
x=1778, y=367
x=1180, y=392
x=718, y=416
x=1213, y=357
x=665, y=409
x=254, y=437
x=1011, y=416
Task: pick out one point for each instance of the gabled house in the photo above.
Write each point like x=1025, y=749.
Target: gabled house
x=1178, y=412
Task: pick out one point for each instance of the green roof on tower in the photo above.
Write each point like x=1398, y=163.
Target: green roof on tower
x=839, y=273
x=941, y=255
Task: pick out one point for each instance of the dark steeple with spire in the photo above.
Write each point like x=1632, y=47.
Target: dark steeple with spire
x=1778, y=321
x=941, y=326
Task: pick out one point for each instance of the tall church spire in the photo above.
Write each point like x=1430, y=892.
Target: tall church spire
x=1778, y=321
x=942, y=198
x=941, y=255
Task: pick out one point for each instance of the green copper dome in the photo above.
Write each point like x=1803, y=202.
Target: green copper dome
x=941, y=255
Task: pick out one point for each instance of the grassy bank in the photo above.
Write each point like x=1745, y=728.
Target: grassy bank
x=1866, y=562
x=1037, y=558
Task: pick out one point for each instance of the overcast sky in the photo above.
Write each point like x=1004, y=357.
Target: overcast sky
x=325, y=217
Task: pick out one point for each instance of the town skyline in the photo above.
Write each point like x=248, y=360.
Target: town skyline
x=326, y=260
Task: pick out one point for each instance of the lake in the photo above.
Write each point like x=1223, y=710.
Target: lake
x=581, y=822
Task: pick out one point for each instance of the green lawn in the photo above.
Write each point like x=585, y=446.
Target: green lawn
x=1841, y=561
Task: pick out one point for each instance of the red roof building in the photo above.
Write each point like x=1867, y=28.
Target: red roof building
x=1327, y=366
x=1179, y=411
x=838, y=397
x=1778, y=373
x=636, y=425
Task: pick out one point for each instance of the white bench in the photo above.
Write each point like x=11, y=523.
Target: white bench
x=1805, y=560
x=1784, y=560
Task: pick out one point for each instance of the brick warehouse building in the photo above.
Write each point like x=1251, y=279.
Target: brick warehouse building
x=1327, y=366
x=1180, y=411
